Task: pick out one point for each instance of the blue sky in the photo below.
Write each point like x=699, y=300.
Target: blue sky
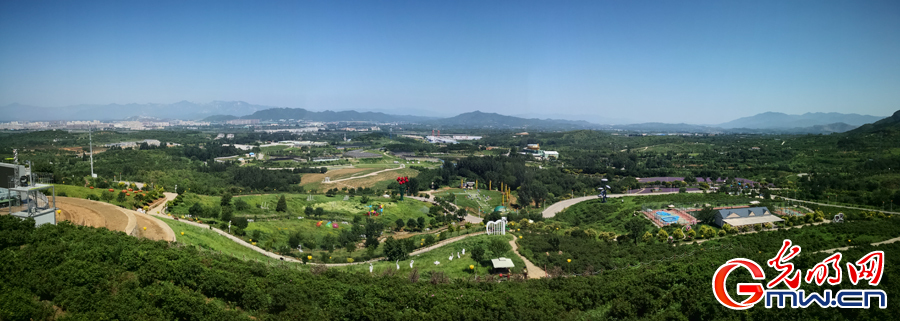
x=669, y=61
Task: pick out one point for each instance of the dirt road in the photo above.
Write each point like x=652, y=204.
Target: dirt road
x=534, y=272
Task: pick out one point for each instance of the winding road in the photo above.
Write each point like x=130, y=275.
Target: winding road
x=157, y=211
x=557, y=207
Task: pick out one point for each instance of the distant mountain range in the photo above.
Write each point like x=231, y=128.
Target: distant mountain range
x=221, y=111
x=330, y=116
x=773, y=120
x=478, y=119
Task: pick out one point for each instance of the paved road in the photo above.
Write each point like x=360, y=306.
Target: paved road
x=841, y=206
x=557, y=207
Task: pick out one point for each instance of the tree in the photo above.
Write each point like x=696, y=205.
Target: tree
x=106, y=196
x=373, y=230
x=678, y=234
x=707, y=215
x=121, y=197
x=364, y=199
x=635, y=227
x=328, y=242
x=478, y=254
x=399, y=224
x=241, y=205
x=227, y=214
x=647, y=236
x=420, y=222
x=412, y=224
x=498, y=246
x=350, y=247
x=309, y=211
x=282, y=205
x=226, y=200
x=196, y=210
x=435, y=210
x=240, y=222
x=395, y=249
x=662, y=235
x=294, y=240
x=461, y=214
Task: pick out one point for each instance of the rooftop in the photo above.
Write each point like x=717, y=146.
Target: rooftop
x=502, y=263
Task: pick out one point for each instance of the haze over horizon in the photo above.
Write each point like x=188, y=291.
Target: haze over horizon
x=698, y=62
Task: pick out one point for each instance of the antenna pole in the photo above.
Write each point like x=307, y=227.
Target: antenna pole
x=91, y=142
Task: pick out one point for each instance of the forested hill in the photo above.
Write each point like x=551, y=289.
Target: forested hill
x=83, y=273
x=887, y=125
x=329, y=116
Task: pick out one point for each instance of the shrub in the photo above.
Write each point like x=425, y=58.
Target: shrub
x=478, y=254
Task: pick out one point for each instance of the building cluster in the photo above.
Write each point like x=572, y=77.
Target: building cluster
x=738, y=217
x=96, y=124
x=360, y=129
x=149, y=142
x=296, y=143
x=534, y=150
x=449, y=139
x=243, y=122
x=290, y=130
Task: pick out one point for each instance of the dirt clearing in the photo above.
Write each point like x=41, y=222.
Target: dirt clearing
x=335, y=174
x=96, y=214
x=156, y=229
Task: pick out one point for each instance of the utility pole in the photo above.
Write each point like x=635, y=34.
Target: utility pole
x=91, y=142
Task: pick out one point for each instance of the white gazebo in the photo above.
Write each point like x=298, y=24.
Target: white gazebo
x=497, y=227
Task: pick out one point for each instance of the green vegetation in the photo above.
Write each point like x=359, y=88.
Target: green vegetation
x=486, y=200
x=93, y=273
x=210, y=240
x=589, y=249
x=458, y=267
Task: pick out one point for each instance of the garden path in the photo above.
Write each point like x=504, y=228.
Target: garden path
x=534, y=272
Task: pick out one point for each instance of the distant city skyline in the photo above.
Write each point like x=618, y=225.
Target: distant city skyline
x=699, y=62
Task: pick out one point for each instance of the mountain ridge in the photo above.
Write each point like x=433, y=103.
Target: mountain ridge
x=778, y=120
x=221, y=111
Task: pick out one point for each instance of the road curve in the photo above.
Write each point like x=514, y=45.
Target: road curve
x=557, y=207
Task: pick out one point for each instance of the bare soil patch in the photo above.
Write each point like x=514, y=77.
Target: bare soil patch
x=335, y=174
x=154, y=229
x=370, y=181
x=81, y=209
x=79, y=215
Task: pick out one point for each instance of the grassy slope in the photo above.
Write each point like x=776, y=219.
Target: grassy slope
x=458, y=268
x=208, y=239
x=463, y=201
